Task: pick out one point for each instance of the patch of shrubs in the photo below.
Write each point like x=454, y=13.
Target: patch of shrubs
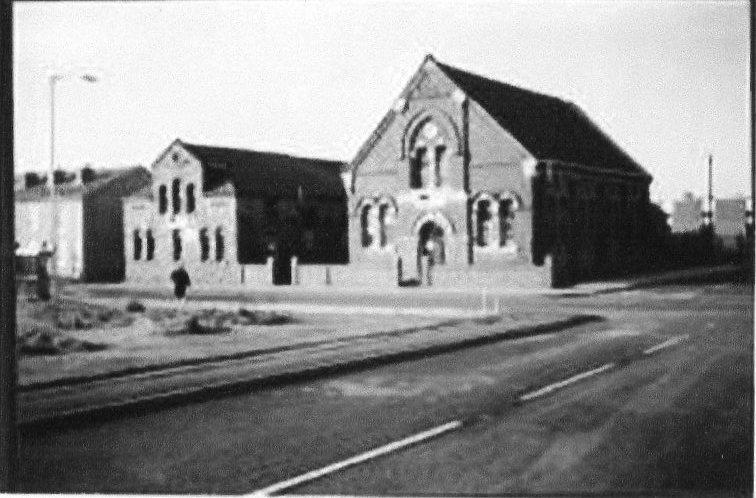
x=135, y=306
x=75, y=320
x=206, y=325
x=219, y=322
x=45, y=340
x=252, y=317
x=200, y=324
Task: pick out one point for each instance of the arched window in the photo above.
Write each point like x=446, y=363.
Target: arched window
x=483, y=222
x=427, y=154
x=219, y=244
x=190, y=203
x=176, y=244
x=367, y=237
x=137, y=245
x=150, y=245
x=204, y=241
x=176, y=196
x=419, y=161
x=438, y=157
x=507, y=208
x=382, y=217
x=163, y=199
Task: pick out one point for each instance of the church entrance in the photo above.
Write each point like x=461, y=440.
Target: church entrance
x=430, y=250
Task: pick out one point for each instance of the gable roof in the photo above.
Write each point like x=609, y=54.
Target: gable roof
x=267, y=174
x=71, y=187
x=548, y=127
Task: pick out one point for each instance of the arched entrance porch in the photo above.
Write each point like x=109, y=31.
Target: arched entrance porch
x=431, y=250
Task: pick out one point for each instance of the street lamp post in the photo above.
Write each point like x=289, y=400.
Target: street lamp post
x=54, y=78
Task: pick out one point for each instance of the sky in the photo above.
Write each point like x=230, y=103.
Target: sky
x=668, y=81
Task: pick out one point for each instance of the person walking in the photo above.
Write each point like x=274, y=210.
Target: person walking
x=430, y=248
x=43, y=276
x=180, y=279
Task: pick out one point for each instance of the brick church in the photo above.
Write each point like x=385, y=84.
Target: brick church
x=470, y=181
x=234, y=216
x=466, y=181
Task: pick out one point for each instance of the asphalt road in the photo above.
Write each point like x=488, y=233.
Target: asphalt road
x=678, y=419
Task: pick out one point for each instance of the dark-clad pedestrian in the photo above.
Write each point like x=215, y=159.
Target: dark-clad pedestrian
x=43, y=276
x=181, y=281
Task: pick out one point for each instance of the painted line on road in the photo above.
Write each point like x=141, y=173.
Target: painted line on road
x=669, y=342
x=566, y=382
x=382, y=450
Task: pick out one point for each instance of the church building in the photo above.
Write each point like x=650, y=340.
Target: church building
x=235, y=216
x=468, y=181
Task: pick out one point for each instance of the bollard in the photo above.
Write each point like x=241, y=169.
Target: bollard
x=269, y=270
x=294, y=270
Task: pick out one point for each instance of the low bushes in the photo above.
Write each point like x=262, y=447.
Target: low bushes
x=217, y=322
x=135, y=306
x=45, y=340
x=252, y=317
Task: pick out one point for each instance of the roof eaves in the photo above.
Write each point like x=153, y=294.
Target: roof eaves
x=628, y=158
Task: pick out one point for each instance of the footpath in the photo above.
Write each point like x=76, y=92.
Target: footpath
x=334, y=298
x=85, y=400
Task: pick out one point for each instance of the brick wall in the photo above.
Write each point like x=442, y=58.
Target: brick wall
x=489, y=162
x=210, y=214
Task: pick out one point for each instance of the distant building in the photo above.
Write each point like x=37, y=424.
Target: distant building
x=730, y=217
x=89, y=234
x=470, y=181
x=235, y=216
x=687, y=214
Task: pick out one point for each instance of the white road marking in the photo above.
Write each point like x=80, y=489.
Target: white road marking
x=315, y=474
x=566, y=382
x=666, y=344
x=436, y=431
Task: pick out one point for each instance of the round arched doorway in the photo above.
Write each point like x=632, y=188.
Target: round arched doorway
x=431, y=250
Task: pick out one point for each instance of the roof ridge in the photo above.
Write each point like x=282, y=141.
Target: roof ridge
x=261, y=152
x=447, y=67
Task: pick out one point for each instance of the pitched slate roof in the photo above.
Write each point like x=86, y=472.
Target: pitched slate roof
x=104, y=177
x=550, y=128
x=267, y=174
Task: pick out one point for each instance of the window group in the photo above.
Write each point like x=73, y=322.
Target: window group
x=219, y=240
x=375, y=215
x=191, y=203
x=493, y=220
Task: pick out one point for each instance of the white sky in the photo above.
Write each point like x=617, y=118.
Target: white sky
x=667, y=80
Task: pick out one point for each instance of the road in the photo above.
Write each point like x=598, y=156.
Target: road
x=676, y=419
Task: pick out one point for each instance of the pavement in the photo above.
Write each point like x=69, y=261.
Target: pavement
x=314, y=294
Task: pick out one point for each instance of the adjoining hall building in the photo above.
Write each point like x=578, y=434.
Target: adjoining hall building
x=88, y=241
x=235, y=216
x=491, y=185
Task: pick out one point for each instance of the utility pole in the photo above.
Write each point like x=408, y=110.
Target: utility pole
x=8, y=434
x=710, y=204
x=750, y=226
